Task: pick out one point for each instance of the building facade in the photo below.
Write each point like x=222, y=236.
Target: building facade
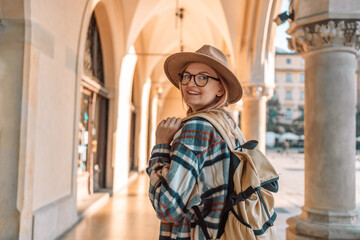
x=290, y=84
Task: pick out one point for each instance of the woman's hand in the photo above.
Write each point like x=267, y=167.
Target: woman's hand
x=167, y=129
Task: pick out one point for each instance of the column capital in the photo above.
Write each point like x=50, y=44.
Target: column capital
x=330, y=33
x=257, y=91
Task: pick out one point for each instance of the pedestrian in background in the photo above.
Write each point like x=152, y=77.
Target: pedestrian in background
x=285, y=146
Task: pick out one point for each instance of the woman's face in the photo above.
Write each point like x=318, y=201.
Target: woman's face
x=199, y=98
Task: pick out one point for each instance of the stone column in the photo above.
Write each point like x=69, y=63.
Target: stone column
x=329, y=48
x=253, y=117
x=11, y=87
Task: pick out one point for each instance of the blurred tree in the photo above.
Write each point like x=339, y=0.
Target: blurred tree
x=276, y=120
x=274, y=116
x=298, y=123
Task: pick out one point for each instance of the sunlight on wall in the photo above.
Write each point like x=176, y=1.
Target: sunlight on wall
x=123, y=122
x=269, y=71
x=144, y=123
x=154, y=114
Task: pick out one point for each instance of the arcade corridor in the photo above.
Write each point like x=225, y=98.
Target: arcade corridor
x=83, y=88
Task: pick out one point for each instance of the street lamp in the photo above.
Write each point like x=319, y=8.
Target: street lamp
x=282, y=17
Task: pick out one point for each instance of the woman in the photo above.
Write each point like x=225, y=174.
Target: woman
x=193, y=170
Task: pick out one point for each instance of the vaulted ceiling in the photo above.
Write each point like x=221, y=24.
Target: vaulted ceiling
x=242, y=28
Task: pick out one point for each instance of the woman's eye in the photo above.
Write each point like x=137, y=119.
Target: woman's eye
x=203, y=77
x=186, y=76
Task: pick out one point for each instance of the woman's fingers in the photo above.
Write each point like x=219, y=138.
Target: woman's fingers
x=174, y=122
x=170, y=122
x=167, y=129
x=177, y=122
x=163, y=123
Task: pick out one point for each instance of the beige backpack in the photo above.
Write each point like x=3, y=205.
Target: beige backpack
x=249, y=211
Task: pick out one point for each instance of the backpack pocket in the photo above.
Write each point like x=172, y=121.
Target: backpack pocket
x=234, y=229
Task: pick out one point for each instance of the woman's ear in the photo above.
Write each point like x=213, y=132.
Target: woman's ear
x=220, y=92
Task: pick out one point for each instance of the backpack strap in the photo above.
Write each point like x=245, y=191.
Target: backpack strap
x=201, y=222
x=248, y=145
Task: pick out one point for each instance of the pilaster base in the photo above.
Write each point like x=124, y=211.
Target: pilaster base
x=317, y=225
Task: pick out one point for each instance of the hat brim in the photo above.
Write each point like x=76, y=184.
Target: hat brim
x=177, y=63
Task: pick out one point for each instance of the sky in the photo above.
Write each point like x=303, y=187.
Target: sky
x=281, y=35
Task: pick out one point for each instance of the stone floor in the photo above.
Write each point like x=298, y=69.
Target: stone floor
x=128, y=215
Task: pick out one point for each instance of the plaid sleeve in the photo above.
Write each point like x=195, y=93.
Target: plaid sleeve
x=174, y=172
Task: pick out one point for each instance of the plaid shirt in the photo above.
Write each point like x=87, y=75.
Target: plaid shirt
x=192, y=171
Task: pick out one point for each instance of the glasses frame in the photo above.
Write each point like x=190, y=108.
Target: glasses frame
x=181, y=75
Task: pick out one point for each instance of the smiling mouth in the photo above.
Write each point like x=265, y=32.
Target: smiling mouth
x=193, y=93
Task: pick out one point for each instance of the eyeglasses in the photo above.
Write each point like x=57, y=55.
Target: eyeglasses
x=200, y=79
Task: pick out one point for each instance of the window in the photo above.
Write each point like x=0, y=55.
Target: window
x=302, y=62
x=288, y=77
x=288, y=61
x=302, y=95
x=93, y=60
x=288, y=114
x=302, y=77
x=288, y=94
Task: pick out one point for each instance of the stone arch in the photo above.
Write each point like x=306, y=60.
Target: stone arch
x=112, y=39
x=106, y=37
x=108, y=23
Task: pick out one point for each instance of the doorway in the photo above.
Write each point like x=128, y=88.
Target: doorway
x=93, y=124
x=92, y=148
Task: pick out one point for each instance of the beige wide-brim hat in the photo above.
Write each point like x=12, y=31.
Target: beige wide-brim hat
x=210, y=56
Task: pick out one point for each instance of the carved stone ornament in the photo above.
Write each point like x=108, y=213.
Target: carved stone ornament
x=257, y=91
x=329, y=33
